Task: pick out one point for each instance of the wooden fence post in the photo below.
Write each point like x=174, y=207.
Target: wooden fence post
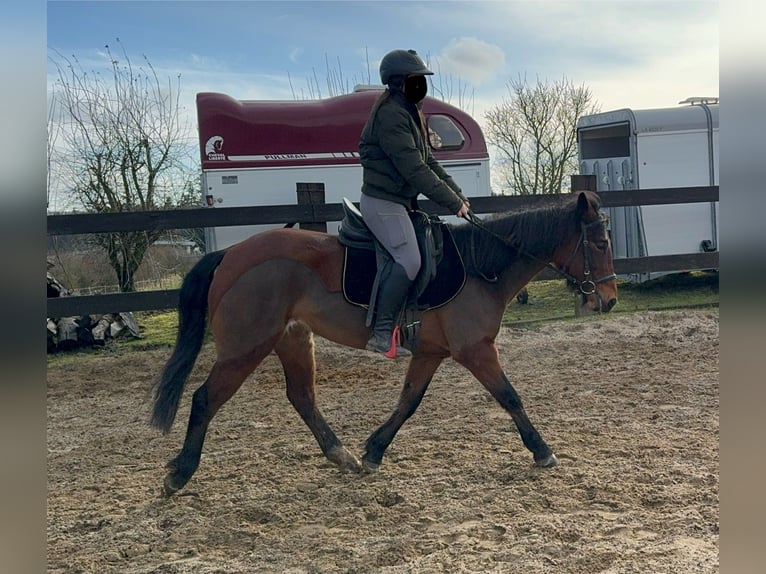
x=582, y=183
x=311, y=194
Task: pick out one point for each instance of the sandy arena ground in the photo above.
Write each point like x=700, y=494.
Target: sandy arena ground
x=629, y=403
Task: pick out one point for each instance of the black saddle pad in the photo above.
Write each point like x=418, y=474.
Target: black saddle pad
x=359, y=269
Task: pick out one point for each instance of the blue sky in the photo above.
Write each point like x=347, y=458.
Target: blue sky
x=635, y=54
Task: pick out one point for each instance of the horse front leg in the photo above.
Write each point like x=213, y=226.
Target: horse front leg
x=483, y=362
x=419, y=374
x=296, y=352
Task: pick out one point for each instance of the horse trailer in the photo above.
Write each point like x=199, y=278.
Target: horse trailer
x=266, y=152
x=655, y=148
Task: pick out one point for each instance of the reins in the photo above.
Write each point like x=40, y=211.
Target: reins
x=587, y=286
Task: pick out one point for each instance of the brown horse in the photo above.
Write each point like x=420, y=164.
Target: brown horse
x=275, y=290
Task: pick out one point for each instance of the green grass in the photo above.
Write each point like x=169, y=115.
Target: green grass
x=552, y=300
x=548, y=300
x=159, y=329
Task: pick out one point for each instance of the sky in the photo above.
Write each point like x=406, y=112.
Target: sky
x=630, y=53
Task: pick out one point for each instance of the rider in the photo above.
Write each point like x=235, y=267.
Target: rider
x=397, y=166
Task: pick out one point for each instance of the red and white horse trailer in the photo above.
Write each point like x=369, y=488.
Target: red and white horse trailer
x=258, y=152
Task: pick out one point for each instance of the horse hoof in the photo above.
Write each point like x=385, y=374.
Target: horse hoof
x=548, y=462
x=346, y=461
x=352, y=466
x=169, y=488
x=369, y=467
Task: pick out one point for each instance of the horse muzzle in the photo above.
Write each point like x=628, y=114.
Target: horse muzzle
x=601, y=299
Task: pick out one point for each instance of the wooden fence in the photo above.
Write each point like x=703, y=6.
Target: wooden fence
x=318, y=213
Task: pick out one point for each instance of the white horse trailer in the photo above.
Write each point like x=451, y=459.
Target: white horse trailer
x=267, y=152
x=655, y=148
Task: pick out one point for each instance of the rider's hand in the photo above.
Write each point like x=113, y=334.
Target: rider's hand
x=463, y=211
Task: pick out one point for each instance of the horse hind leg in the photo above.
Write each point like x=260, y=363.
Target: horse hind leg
x=419, y=373
x=225, y=378
x=296, y=352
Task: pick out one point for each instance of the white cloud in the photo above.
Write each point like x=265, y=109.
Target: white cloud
x=659, y=84
x=631, y=54
x=687, y=66
x=471, y=59
x=295, y=54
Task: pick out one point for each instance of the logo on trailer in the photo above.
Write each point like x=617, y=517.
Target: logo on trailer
x=213, y=149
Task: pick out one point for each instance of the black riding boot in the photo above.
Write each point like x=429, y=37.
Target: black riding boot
x=392, y=296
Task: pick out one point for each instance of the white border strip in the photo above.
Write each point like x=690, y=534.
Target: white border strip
x=295, y=156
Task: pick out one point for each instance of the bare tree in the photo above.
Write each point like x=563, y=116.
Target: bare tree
x=53, y=132
x=451, y=90
x=125, y=147
x=535, y=133
x=337, y=83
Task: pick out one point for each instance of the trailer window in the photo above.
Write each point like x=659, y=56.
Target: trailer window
x=605, y=142
x=444, y=134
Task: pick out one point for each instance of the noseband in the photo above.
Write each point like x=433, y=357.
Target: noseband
x=587, y=286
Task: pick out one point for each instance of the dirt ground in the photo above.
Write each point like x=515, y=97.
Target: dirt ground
x=629, y=403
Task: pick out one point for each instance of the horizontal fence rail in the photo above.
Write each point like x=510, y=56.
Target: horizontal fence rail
x=75, y=223
x=81, y=223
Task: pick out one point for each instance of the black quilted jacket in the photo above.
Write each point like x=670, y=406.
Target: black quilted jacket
x=397, y=164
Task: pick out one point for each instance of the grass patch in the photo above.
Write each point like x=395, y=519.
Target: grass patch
x=674, y=291
x=552, y=300
x=159, y=329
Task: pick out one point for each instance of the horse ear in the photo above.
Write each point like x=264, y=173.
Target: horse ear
x=583, y=205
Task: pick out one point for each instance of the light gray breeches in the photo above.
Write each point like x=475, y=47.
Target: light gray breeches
x=391, y=225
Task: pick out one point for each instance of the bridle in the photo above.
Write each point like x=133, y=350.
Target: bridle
x=587, y=281
x=586, y=286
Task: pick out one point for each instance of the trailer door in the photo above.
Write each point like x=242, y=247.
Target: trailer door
x=607, y=151
x=679, y=159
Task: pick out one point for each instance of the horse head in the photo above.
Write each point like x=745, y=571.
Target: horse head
x=586, y=258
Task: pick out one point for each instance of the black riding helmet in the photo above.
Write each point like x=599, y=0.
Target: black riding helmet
x=402, y=63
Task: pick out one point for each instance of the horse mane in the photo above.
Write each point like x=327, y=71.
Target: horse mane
x=537, y=231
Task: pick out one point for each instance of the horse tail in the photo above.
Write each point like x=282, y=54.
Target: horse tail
x=192, y=323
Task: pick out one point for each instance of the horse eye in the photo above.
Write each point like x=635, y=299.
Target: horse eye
x=602, y=245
